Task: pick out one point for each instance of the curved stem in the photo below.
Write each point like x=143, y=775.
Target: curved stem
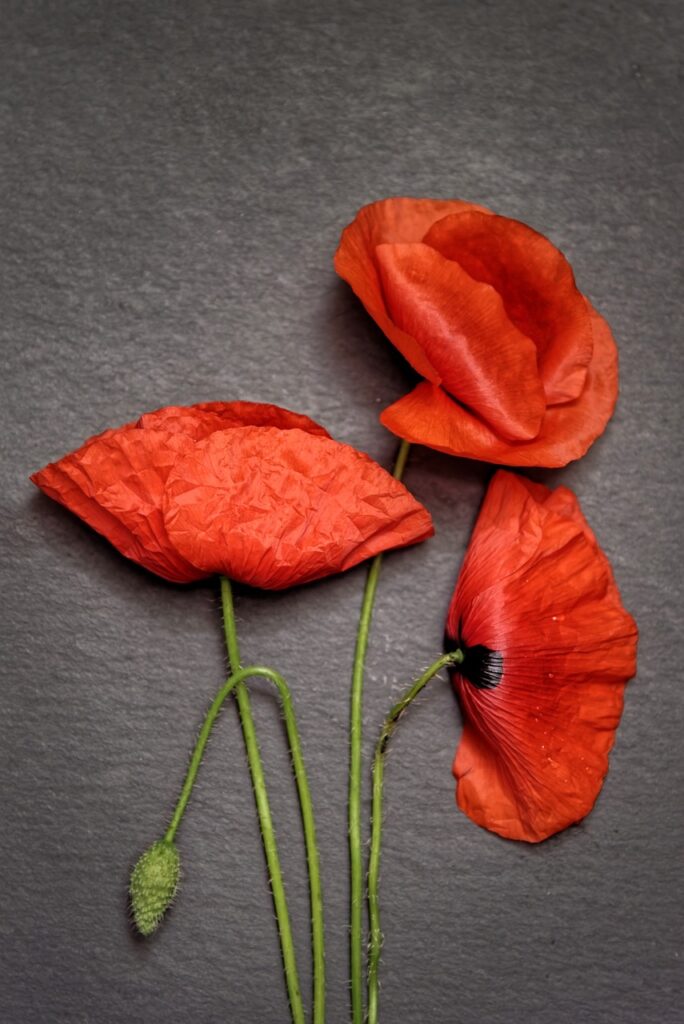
x=237, y=680
x=262, y=805
x=453, y=658
x=198, y=752
x=355, y=771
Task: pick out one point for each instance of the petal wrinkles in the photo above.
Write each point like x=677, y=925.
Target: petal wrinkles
x=115, y=482
x=251, y=490
x=461, y=324
x=429, y=416
x=536, y=588
x=388, y=221
x=200, y=420
x=536, y=285
x=276, y=508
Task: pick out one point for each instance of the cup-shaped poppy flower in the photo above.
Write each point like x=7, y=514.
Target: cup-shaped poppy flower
x=255, y=492
x=519, y=368
x=548, y=649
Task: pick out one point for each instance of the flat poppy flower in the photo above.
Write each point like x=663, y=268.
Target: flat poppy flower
x=548, y=649
x=519, y=368
x=258, y=493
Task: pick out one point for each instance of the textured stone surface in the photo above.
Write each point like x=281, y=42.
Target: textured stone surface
x=175, y=178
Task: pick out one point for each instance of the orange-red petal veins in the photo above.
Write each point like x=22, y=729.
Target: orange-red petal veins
x=429, y=416
x=389, y=221
x=461, y=324
x=518, y=367
x=114, y=482
x=275, y=508
x=538, y=594
x=537, y=288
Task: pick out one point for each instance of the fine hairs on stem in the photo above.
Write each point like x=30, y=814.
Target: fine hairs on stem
x=317, y=932
x=266, y=825
x=375, y=944
x=237, y=684
x=263, y=809
x=356, y=872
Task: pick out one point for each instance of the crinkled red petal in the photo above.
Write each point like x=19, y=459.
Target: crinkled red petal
x=274, y=508
x=201, y=420
x=115, y=482
x=536, y=588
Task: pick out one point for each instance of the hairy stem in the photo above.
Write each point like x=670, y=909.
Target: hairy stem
x=375, y=945
x=355, y=772
x=238, y=679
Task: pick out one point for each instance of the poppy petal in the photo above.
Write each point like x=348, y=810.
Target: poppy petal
x=537, y=286
x=429, y=416
x=201, y=420
x=274, y=508
x=389, y=221
x=114, y=482
x=536, y=590
x=462, y=326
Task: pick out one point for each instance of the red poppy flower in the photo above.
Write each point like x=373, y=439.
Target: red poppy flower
x=519, y=368
x=548, y=650
x=258, y=493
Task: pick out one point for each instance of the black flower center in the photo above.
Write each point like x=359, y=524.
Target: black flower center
x=480, y=666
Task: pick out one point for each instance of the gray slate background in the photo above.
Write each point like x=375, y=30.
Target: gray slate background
x=174, y=180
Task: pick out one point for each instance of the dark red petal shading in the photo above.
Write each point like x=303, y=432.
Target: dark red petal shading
x=389, y=221
x=536, y=588
x=114, y=482
x=429, y=416
x=274, y=508
x=537, y=286
x=462, y=326
x=201, y=420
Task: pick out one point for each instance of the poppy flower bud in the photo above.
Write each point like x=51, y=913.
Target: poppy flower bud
x=154, y=881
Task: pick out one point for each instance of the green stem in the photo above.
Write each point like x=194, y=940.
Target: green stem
x=263, y=808
x=453, y=658
x=355, y=772
x=229, y=624
x=236, y=681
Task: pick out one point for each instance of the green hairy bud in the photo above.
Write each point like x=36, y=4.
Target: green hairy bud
x=154, y=881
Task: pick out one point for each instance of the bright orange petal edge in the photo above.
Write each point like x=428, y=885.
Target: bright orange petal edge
x=117, y=482
x=400, y=219
x=536, y=588
x=429, y=416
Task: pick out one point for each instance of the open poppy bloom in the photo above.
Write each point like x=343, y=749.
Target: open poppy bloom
x=519, y=368
x=548, y=649
x=254, y=492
